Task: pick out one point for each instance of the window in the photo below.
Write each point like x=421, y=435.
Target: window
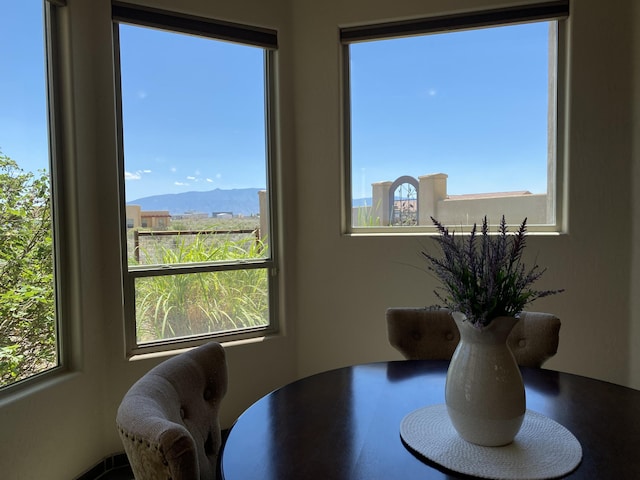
x=195, y=142
x=28, y=307
x=455, y=118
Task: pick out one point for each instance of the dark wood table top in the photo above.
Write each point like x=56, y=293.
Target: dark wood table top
x=345, y=424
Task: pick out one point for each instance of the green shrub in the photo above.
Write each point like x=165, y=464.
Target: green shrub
x=27, y=303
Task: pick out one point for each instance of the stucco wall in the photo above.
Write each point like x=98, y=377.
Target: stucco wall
x=514, y=209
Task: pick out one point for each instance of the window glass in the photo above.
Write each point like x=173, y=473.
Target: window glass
x=454, y=125
x=195, y=169
x=194, y=132
x=28, y=334
x=173, y=306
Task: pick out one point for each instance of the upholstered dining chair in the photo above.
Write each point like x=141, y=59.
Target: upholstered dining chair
x=431, y=334
x=168, y=420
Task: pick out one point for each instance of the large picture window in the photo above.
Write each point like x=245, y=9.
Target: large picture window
x=29, y=336
x=455, y=118
x=199, y=254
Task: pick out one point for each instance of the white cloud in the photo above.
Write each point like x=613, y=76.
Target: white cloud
x=209, y=180
x=191, y=178
x=132, y=176
x=146, y=171
x=181, y=184
x=173, y=169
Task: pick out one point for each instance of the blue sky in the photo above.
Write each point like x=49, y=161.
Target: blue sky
x=193, y=113
x=472, y=104
x=23, y=116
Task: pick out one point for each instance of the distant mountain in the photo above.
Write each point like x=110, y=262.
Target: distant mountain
x=239, y=201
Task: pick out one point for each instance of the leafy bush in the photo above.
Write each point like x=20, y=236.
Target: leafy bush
x=27, y=305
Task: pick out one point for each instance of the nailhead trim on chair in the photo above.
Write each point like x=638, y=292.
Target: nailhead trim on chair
x=116, y=465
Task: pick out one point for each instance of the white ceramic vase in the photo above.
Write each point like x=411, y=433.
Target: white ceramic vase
x=484, y=391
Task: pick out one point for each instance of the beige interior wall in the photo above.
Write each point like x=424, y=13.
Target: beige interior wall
x=54, y=429
x=62, y=427
x=255, y=367
x=634, y=336
x=337, y=287
x=346, y=283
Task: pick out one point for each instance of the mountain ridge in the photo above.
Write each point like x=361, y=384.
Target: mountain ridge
x=238, y=201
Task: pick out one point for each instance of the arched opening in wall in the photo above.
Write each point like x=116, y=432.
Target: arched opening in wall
x=403, y=202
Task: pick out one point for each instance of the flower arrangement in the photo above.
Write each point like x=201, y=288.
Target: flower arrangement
x=483, y=275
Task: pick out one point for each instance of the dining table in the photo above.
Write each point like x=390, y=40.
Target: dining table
x=344, y=424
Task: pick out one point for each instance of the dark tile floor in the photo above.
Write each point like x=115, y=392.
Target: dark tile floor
x=118, y=473
x=111, y=468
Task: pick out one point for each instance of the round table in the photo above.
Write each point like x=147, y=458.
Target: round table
x=344, y=424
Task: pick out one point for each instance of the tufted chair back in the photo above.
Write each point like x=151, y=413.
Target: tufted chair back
x=168, y=420
x=431, y=334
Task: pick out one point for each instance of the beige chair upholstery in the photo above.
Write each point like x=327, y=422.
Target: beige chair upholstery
x=431, y=334
x=168, y=420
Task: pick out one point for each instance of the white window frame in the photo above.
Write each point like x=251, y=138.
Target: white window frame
x=124, y=13
x=557, y=176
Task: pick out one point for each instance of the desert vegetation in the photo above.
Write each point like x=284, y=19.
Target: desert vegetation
x=176, y=305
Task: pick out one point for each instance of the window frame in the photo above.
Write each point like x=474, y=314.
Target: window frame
x=55, y=121
x=123, y=13
x=61, y=275
x=557, y=177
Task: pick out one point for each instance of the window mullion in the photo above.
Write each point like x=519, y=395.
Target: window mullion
x=181, y=269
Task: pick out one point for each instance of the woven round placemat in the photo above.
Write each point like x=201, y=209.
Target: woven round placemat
x=543, y=449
